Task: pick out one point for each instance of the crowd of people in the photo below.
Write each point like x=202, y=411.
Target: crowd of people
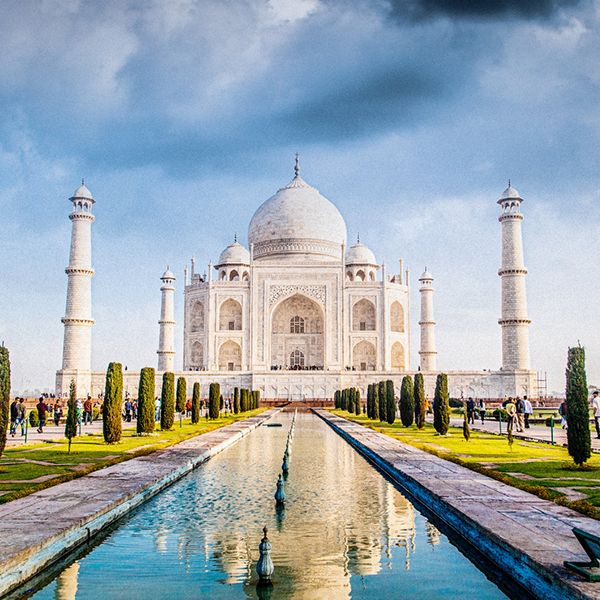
x=296, y=368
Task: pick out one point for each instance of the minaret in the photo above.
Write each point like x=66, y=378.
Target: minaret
x=77, y=347
x=166, y=340
x=427, y=323
x=514, y=321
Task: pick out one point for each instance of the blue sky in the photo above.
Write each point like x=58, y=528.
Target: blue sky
x=409, y=115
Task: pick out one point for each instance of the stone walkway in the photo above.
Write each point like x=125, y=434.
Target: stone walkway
x=537, y=433
x=72, y=512
x=522, y=534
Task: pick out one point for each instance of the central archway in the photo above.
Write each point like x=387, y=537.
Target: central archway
x=297, y=331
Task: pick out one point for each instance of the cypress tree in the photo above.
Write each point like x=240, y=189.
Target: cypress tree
x=441, y=405
x=343, y=405
x=4, y=395
x=257, y=392
x=466, y=430
x=167, y=401
x=236, y=400
x=420, y=403
x=145, y=412
x=196, y=403
x=357, y=407
x=113, y=403
x=243, y=400
x=375, y=405
x=382, y=401
x=213, y=400
x=407, y=399
x=181, y=395
x=369, y=400
x=336, y=399
x=390, y=412
x=578, y=417
x=71, y=424
x=352, y=400
x=221, y=402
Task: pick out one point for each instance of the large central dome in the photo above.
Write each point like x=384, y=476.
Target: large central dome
x=297, y=220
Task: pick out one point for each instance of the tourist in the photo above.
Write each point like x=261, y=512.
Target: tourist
x=511, y=413
x=188, y=409
x=482, y=411
x=14, y=415
x=595, y=409
x=128, y=409
x=562, y=411
x=79, y=405
x=470, y=411
x=42, y=407
x=528, y=411
x=21, y=415
x=520, y=407
x=157, y=409
x=57, y=413
x=88, y=415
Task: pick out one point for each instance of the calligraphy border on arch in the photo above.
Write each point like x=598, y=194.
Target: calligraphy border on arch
x=317, y=292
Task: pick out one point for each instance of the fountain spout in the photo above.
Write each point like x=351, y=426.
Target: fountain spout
x=280, y=494
x=264, y=566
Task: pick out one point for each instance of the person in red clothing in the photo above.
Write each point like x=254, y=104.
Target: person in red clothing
x=87, y=411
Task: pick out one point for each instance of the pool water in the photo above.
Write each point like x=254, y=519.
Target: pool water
x=344, y=532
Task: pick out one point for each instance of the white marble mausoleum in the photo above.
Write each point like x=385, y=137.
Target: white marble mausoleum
x=300, y=313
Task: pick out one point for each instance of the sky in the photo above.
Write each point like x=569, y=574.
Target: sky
x=409, y=115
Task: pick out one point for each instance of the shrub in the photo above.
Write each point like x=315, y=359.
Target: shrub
x=420, y=402
x=71, y=424
x=441, y=406
x=34, y=417
x=213, y=400
x=95, y=413
x=382, y=401
x=145, y=413
x=500, y=412
x=370, y=401
x=236, y=400
x=455, y=403
x=196, y=403
x=407, y=399
x=578, y=432
x=113, y=403
x=390, y=411
x=167, y=401
x=181, y=395
x=466, y=430
x=4, y=395
x=375, y=405
x=257, y=396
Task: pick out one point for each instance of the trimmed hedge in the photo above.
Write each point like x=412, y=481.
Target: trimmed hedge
x=579, y=441
x=441, y=406
x=407, y=400
x=420, y=402
x=167, y=401
x=4, y=396
x=196, y=403
x=181, y=395
x=113, y=402
x=71, y=424
x=145, y=413
x=214, y=398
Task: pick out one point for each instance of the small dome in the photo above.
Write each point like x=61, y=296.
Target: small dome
x=83, y=192
x=235, y=254
x=168, y=275
x=509, y=194
x=426, y=275
x=360, y=255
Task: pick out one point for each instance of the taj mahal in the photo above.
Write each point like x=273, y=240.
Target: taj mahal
x=300, y=313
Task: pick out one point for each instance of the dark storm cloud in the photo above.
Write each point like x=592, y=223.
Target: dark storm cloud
x=477, y=9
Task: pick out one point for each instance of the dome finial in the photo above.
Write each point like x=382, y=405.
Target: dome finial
x=509, y=183
x=83, y=181
x=297, y=167
x=235, y=238
x=358, y=238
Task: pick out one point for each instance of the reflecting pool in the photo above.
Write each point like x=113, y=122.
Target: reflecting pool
x=344, y=532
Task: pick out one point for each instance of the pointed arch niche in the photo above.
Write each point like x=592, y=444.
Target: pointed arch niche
x=364, y=356
x=397, y=317
x=230, y=316
x=398, y=357
x=297, y=327
x=230, y=357
x=363, y=316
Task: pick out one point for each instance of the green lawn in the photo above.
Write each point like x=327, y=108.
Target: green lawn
x=542, y=467
x=20, y=465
